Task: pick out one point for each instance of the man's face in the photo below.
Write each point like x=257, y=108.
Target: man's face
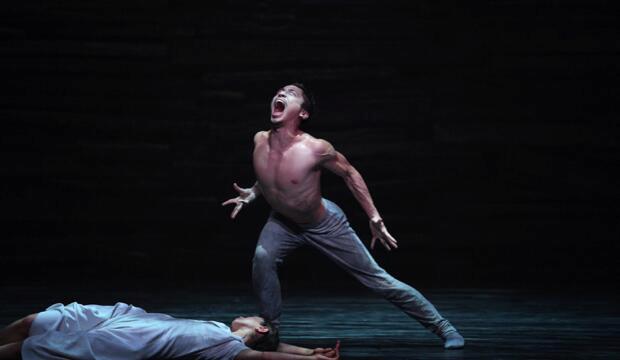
x=251, y=322
x=286, y=104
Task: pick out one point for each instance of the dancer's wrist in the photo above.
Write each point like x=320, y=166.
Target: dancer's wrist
x=376, y=219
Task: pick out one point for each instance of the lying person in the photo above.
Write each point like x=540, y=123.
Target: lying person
x=124, y=332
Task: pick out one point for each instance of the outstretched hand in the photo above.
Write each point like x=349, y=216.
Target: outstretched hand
x=244, y=198
x=379, y=231
x=328, y=353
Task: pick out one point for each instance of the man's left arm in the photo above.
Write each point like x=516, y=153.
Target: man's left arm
x=339, y=165
x=295, y=354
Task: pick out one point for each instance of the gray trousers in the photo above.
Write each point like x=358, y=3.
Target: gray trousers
x=334, y=237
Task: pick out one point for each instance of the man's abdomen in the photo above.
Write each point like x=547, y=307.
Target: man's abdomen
x=300, y=208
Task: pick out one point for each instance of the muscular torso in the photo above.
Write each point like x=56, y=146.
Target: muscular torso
x=289, y=178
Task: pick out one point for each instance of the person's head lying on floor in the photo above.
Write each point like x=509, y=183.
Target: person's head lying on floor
x=257, y=333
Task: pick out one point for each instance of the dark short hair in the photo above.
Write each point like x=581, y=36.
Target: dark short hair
x=269, y=341
x=309, y=102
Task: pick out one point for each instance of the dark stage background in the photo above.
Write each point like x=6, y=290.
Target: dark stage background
x=487, y=132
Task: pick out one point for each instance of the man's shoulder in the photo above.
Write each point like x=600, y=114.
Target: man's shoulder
x=261, y=136
x=318, y=142
x=319, y=146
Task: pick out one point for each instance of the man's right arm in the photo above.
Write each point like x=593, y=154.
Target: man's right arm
x=248, y=195
x=255, y=190
x=258, y=137
x=245, y=197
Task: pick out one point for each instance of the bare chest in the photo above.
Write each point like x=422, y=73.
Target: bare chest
x=283, y=170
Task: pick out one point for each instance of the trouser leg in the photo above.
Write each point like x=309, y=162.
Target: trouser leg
x=337, y=240
x=276, y=240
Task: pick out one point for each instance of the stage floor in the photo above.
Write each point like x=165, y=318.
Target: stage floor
x=496, y=324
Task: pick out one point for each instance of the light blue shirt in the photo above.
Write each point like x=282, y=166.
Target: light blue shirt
x=125, y=332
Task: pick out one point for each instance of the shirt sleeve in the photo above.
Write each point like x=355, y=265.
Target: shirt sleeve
x=226, y=346
x=225, y=351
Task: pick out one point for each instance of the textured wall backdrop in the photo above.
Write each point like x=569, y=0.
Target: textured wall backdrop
x=487, y=132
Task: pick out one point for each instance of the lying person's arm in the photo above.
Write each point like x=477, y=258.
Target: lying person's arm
x=299, y=350
x=291, y=352
x=292, y=349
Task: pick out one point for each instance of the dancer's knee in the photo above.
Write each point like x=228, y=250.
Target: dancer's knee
x=17, y=331
x=25, y=324
x=263, y=260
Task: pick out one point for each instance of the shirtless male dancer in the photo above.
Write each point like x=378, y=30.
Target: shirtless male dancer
x=288, y=164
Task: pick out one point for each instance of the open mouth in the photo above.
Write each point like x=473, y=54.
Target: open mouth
x=278, y=107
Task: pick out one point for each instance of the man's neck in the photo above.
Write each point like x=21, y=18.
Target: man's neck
x=284, y=136
x=244, y=333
